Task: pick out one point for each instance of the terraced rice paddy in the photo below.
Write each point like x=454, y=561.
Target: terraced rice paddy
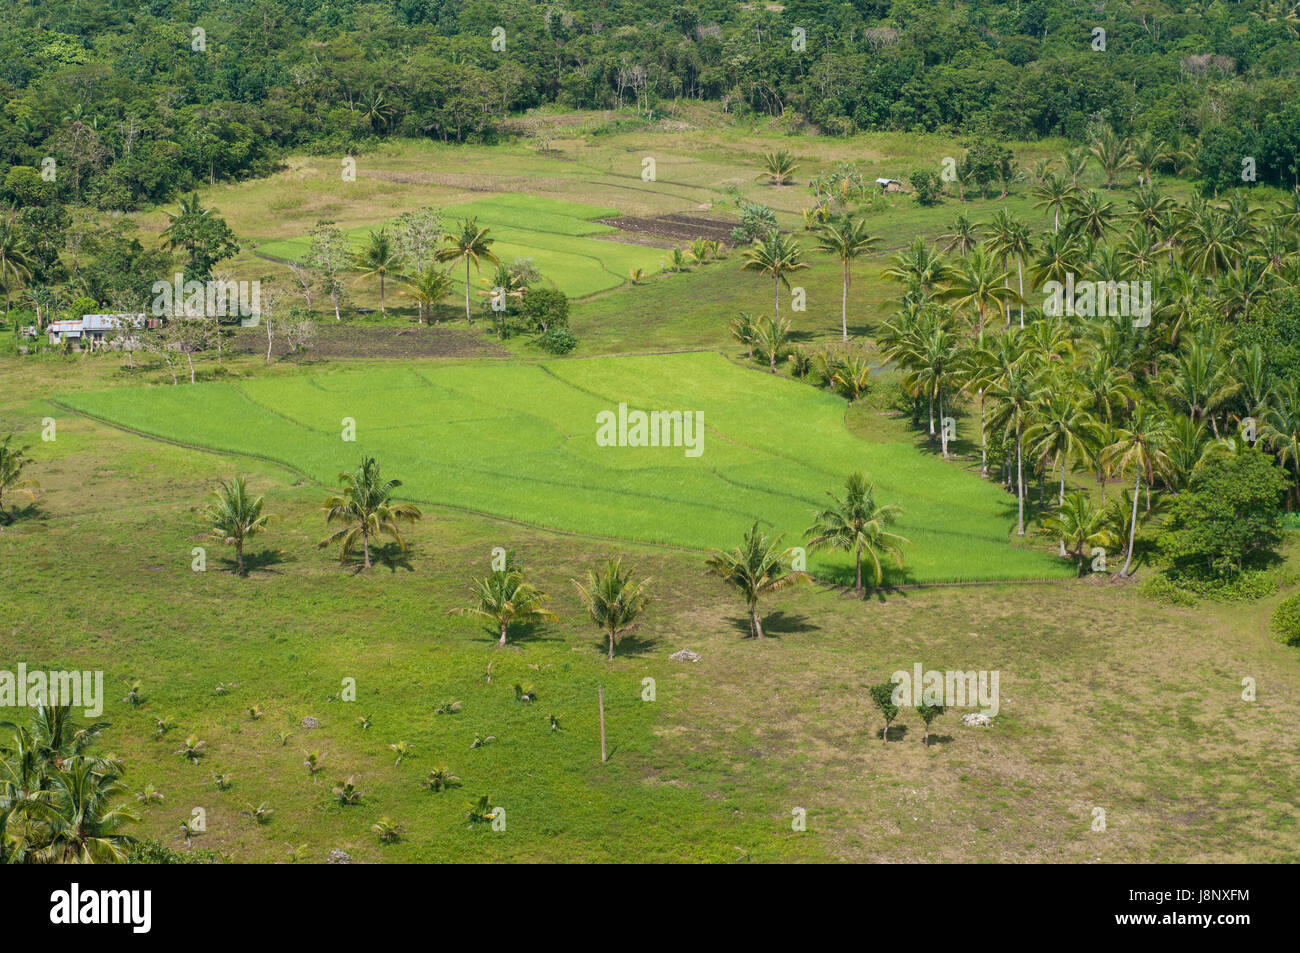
x=518, y=441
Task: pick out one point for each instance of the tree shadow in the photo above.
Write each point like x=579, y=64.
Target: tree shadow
x=775, y=624
x=897, y=732
x=263, y=561
x=392, y=557
x=631, y=644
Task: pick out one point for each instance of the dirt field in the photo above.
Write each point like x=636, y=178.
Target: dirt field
x=369, y=341
x=673, y=228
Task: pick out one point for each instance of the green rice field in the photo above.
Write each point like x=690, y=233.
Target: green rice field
x=518, y=440
x=560, y=237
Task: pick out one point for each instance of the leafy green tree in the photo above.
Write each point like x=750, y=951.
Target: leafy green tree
x=1080, y=525
x=366, y=510
x=201, y=234
x=928, y=714
x=428, y=287
x=1139, y=444
x=857, y=524
x=882, y=696
x=757, y=567
x=235, y=517
x=613, y=598
x=1231, y=513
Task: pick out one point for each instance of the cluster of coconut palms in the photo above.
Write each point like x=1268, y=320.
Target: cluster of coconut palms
x=1142, y=397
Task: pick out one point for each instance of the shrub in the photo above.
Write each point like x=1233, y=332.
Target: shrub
x=545, y=309
x=557, y=340
x=1286, y=620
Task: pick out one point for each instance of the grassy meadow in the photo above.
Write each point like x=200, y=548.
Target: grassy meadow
x=1109, y=700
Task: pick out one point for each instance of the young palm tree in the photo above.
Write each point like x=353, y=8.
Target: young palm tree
x=1075, y=163
x=1139, y=444
x=963, y=237
x=427, y=287
x=1090, y=215
x=1112, y=154
x=976, y=369
x=235, y=517
x=472, y=244
x=917, y=266
x=775, y=254
x=366, y=510
x=613, y=599
x=504, y=598
x=1149, y=152
x=771, y=338
x=857, y=524
x=12, y=463
x=179, y=232
x=1201, y=383
x=756, y=567
x=1080, y=525
x=77, y=822
x=380, y=257
x=779, y=168
x=846, y=238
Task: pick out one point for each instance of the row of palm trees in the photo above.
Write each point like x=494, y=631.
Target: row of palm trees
x=380, y=257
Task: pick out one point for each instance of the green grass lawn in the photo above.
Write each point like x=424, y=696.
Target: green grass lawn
x=519, y=441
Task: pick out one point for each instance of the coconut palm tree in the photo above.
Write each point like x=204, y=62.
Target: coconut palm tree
x=1139, y=444
x=977, y=282
x=771, y=338
x=366, y=510
x=12, y=463
x=1060, y=431
x=1281, y=432
x=846, y=238
x=504, y=598
x=1013, y=393
x=933, y=362
x=775, y=254
x=1148, y=153
x=613, y=599
x=757, y=567
x=963, y=237
x=1080, y=525
x=976, y=369
x=1075, y=163
x=857, y=524
x=1201, y=382
x=380, y=257
x=1053, y=194
x=1090, y=215
x=779, y=168
x=15, y=259
x=77, y=821
x=918, y=266
x=235, y=517
x=428, y=287
x=1112, y=153
x=472, y=244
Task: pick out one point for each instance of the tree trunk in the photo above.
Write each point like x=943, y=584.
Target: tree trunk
x=1020, y=277
x=943, y=428
x=365, y=544
x=382, y=312
x=984, y=447
x=1020, y=487
x=754, y=622
x=844, y=304
x=468, y=317
x=501, y=642
x=611, y=645
x=776, y=296
x=1060, y=498
x=857, y=579
x=239, y=556
x=1132, y=530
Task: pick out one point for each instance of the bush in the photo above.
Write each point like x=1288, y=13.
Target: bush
x=927, y=185
x=1286, y=620
x=1186, y=587
x=148, y=851
x=545, y=309
x=557, y=341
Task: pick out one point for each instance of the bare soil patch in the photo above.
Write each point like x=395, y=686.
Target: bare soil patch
x=677, y=227
x=367, y=341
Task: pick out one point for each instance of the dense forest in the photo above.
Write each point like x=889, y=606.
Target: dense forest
x=137, y=100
